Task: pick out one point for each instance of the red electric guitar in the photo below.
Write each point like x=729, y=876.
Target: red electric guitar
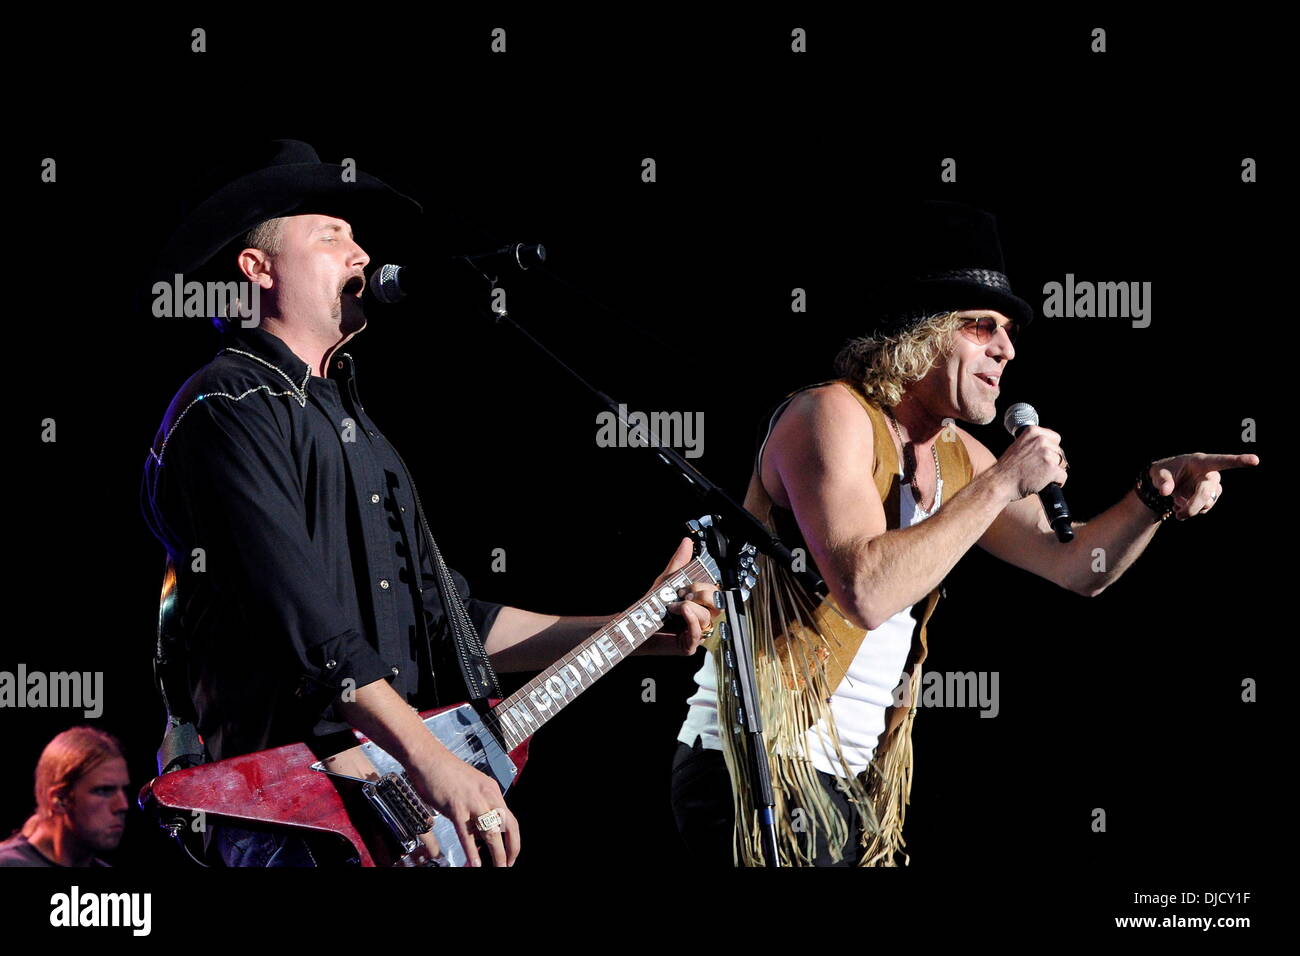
x=363, y=795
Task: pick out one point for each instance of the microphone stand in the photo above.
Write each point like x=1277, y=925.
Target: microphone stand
x=725, y=527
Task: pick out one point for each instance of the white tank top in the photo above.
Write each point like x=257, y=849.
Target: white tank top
x=859, y=702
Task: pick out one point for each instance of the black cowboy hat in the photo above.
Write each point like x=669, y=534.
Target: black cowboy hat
x=271, y=179
x=939, y=257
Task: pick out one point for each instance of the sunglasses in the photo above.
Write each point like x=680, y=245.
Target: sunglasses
x=983, y=329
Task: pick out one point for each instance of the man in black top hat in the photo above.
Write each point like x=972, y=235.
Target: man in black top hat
x=309, y=593
x=945, y=326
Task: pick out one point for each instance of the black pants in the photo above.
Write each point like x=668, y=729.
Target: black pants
x=701, y=793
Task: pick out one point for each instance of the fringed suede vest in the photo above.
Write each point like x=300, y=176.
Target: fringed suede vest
x=802, y=650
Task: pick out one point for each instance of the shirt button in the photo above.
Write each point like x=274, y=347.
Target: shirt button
x=374, y=499
x=401, y=508
x=384, y=583
x=331, y=664
x=396, y=672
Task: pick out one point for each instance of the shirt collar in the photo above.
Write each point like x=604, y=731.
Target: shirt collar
x=269, y=348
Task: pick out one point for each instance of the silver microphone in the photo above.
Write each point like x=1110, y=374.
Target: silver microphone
x=1017, y=418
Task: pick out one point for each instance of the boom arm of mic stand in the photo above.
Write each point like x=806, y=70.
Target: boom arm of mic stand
x=740, y=524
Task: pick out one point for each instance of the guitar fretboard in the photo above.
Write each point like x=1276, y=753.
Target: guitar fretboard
x=521, y=714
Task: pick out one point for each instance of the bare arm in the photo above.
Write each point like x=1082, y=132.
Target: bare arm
x=1110, y=542
x=1021, y=536
x=526, y=641
x=381, y=714
x=450, y=785
x=820, y=459
x=1105, y=547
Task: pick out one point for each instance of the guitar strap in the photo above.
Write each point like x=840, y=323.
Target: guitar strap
x=475, y=668
x=181, y=745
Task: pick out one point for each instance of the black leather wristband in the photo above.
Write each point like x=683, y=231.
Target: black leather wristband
x=1161, y=505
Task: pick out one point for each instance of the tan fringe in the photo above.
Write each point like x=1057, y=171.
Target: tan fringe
x=891, y=789
x=792, y=638
x=790, y=664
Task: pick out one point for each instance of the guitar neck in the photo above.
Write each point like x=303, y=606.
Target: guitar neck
x=521, y=714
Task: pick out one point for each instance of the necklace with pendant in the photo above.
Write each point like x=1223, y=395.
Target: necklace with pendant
x=909, y=461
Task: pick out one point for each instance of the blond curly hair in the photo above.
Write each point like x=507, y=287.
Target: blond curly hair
x=882, y=365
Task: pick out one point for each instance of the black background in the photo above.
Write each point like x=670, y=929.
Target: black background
x=1123, y=166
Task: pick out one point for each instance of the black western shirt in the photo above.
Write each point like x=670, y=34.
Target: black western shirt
x=300, y=561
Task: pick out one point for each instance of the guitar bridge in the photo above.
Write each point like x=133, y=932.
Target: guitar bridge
x=400, y=807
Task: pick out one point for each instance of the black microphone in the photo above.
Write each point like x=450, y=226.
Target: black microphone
x=1019, y=417
x=390, y=284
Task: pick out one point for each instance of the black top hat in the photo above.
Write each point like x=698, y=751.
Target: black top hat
x=939, y=257
x=277, y=178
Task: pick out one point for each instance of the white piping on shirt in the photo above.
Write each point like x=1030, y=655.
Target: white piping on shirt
x=298, y=393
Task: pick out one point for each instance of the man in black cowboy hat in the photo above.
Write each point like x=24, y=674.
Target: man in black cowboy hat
x=863, y=474
x=309, y=594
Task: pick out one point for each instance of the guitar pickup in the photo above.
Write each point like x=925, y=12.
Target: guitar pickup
x=400, y=807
